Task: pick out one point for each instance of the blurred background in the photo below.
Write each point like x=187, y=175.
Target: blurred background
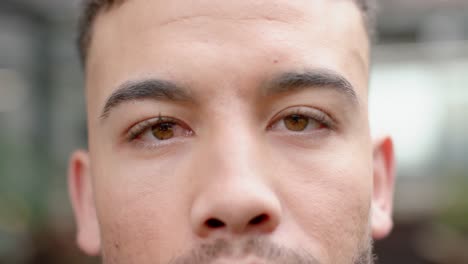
x=419, y=94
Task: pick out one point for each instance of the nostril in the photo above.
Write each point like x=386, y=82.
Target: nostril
x=214, y=223
x=259, y=219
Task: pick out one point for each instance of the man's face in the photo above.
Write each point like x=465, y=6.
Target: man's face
x=230, y=132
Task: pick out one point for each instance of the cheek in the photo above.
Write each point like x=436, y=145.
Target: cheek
x=139, y=206
x=328, y=194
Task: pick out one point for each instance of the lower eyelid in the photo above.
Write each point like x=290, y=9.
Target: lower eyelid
x=157, y=144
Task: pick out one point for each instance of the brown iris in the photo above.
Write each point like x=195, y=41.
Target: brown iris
x=163, y=131
x=296, y=122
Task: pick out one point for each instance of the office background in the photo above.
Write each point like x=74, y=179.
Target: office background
x=419, y=93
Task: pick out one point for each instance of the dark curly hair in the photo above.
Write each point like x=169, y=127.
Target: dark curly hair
x=91, y=8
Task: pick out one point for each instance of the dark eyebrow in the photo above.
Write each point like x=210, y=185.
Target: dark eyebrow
x=145, y=89
x=315, y=78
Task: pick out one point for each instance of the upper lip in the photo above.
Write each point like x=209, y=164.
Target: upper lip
x=239, y=260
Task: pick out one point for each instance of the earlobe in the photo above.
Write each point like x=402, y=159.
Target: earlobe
x=384, y=177
x=81, y=196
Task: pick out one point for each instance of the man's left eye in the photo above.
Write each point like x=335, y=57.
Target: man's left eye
x=301, y=122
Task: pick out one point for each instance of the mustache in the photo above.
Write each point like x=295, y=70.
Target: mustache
x=263, y=249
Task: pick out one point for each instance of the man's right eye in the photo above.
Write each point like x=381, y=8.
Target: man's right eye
x=163, y=131
x=158, y=130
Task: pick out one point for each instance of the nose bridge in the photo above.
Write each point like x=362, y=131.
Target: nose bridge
x=234, y=144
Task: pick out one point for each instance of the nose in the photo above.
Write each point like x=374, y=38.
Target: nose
x=235, y=194
x=235, y=207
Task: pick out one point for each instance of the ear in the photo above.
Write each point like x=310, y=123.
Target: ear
x=81, y=195
x=384, y=179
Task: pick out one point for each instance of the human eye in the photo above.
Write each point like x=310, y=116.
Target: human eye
x=158, y=131
x=301, y=120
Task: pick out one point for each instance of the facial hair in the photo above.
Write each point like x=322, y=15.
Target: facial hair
x=263, y=250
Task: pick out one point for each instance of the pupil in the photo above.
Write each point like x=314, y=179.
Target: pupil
x=296, y=118
x=165, y=126
x=296, y=122
x=163, y=131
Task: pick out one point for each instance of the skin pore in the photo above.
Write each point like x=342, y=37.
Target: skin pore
x=230, y=132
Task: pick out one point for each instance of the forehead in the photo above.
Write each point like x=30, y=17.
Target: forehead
x=141, y=37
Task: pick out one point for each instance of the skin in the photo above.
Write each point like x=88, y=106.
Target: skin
x=324, y=192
